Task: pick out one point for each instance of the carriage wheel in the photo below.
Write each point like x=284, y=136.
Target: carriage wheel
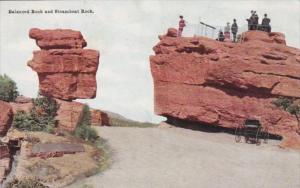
x=238, y=137
x=266, y=137
x=258, y=134
x=246, y=139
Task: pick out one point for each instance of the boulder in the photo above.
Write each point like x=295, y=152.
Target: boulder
x=99, y=118
x=23, y=99
x=57, y=39
x=5, y=166
x=4, y=151
x=218, y=83
x=68, y=115
x=5, y=162
x=6, y=117
x=22, y=103
x=273, y=37
x=65, y=71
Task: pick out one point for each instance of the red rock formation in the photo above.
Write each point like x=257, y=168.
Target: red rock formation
x=65, y=70
x=5, y=166
x=200, y=79
x=99, y=118
x=21, y=103
x=68, y=115
x=57, y=39
x=6, y=117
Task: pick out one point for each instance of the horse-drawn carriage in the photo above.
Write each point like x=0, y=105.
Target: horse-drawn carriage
x=252, y=131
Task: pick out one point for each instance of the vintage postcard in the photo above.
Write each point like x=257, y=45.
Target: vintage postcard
x=150, y=94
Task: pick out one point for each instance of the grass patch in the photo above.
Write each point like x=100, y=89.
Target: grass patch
x=116, y=122
x=25, y=183
x=83, y=129
x=104, y=155
x=87, y=186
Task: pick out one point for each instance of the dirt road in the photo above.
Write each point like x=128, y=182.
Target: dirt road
x=182, y=158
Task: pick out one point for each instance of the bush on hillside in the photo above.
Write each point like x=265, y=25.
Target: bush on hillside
x=289, y=105
x=40, y=118
x=25, y=183
x=87, y=133
x=84, y=129
x=8, y=89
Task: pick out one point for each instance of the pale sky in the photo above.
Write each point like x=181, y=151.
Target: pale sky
x=124, y=32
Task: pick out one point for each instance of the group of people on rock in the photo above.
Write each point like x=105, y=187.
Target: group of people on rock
x=253, y=24
x=226, y=35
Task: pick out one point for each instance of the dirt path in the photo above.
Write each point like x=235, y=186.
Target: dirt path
x=181, y=158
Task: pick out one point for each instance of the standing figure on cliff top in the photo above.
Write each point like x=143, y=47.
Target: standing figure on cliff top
x=227, y=31
x=234, y=29
x=255, y=21
x=265, y=24
x=251, y=21
x=181, y=26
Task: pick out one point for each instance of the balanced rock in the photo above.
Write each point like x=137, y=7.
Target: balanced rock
x=220, y=83
x=57, y=39
x=65, y=70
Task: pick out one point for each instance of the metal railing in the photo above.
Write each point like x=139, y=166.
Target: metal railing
x=211, y=31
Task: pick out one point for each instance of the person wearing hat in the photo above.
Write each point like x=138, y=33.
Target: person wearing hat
x=265, y=24
x=181, y=26
x=234, y=29
x=251, y=21
x=255, y=21
x=227, y=31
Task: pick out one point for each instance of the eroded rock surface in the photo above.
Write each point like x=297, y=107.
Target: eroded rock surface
x=68, y=115
x=65, y=70
x=6, y=117
x=99, y=118
x=223, y=83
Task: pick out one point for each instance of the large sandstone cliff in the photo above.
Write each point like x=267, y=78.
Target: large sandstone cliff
x=223, y=83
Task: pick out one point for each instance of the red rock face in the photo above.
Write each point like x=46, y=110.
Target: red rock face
x=99, y=118
x=223, y=83
x=65, y=70
x=6, y=117
x=21, y=103
x=57, y=39
x=68, y=115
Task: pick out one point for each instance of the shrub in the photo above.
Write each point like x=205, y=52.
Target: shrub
x=25, y=183
x=84, y=129
x=283, y=102
x=289, y=105
x=40, y=118
x=85, y=119
x=8, y=89
x=87, y=133
x=48, y=105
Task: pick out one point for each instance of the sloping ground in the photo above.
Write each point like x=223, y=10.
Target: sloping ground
x=176, y=157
